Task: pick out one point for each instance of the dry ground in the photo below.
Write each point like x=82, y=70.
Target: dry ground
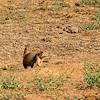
x=41, y=25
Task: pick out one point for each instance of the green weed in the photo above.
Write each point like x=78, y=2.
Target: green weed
x=90, y=2
x=48, y=83
x=92, y=25
x=97, y=16
x=13, y=14
x=44, y=5
x=12, y=96
x=9, y=83
x=92, y=75
x=5, y=97
x=71, y=98
x=56, y=5
x=17, y=15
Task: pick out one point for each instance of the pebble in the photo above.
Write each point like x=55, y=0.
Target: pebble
x=71, y=29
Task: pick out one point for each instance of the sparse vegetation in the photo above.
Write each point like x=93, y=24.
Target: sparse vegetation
x=5, y=97
x=56, y=5
x=19, y=96
x=51, y=26
x=14, y=14
x=12, y=96
x=97, y=16
x=92, y=25
x=9, y=83
x=92, y=75
x=48, y=83
x=17, y=15
x=90, y=2
x=10, y=89
x=69, y=98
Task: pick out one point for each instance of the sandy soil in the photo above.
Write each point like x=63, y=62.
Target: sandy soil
x=44, y=30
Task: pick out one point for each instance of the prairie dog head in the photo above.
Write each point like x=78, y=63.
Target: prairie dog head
x=39, y=58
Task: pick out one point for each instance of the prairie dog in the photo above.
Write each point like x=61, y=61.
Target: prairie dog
x=29, y=59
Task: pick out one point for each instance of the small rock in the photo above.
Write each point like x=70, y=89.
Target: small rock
x=4, y=68
x=71, y=29
x=47, y=39
x=6, y=18
x=61, y=33
x=74, y=29
x=19, y=32
x=64, y=29
x=26, y=31
x=77, y=4
x=43, y=39
x=58, y=26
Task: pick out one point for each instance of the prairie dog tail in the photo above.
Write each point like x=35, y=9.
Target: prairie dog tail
x=25, y=50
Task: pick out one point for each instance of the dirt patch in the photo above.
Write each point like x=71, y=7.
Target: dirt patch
x=42, y=24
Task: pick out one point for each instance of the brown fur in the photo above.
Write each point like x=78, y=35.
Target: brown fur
x=29, y=59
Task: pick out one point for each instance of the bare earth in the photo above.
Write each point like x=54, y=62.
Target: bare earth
x=43, y=30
